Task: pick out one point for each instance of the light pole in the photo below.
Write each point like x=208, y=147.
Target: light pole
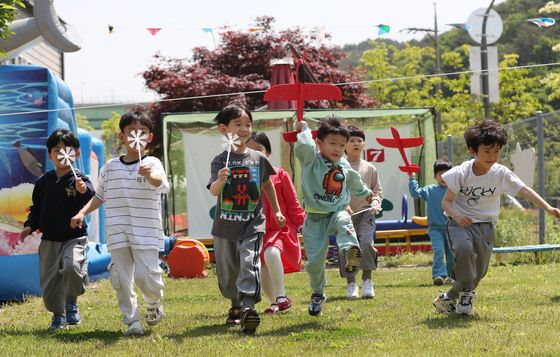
x=484, y=64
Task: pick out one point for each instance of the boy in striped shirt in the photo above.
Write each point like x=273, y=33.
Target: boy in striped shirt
x=131, y=188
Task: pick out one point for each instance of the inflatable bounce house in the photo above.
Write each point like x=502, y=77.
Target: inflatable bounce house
x=191, y=141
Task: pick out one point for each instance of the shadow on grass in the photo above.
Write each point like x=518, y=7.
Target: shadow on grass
x=442, y=321
x=555, y=299
x=72, y=335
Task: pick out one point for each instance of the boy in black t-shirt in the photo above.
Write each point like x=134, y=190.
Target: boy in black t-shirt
x=57, y=196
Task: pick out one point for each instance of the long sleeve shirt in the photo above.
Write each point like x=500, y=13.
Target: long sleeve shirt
x=432, y=194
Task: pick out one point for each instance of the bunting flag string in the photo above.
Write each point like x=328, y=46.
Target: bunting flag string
x=543, y=21
x=383, y=29
x=465, y=27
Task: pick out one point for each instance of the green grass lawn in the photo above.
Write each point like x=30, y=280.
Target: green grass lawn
x=517, y=313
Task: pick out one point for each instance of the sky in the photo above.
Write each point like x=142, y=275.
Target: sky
x=108, y=67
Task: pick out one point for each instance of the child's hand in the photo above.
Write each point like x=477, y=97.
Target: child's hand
x=24, y=233
x=376, y=207
x=300, y=125
x=412, y=175
x=223, y=175
x=81, y=186
x=77, y=220
x=463, y=221
x=369, y=198
x=145, y=170
x=554, y=212
x=349, y=210
x=280, y=219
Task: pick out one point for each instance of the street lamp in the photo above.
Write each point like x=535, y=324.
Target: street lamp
x=484, y=64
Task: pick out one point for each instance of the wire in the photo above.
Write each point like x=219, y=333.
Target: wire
x=390, y=79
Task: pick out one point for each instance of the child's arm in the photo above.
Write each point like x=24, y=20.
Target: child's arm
x=305, y=148
x=377, y=190
x=217, y=186
x=447, y=205
x=92, y=205
x=415, y=190
x=530, y=195
x=357, y=186
x=154, y=173
x=270, y=192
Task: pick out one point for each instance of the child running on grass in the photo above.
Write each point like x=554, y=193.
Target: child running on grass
x=472, y=202
x=131, y=190
x=442, y=265
x=364, y=222
x=237, y=179
x=328, y=182
x=57, y=196
x=281, y=249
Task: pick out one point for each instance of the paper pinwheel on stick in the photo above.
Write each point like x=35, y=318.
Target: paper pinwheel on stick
x=230, y=141
x=67, y=156
x=402, y=143
x=137, y=140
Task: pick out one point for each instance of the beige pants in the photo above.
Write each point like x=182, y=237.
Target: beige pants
x=136, y=266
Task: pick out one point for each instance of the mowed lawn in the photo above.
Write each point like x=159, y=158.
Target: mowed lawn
x=517, y=313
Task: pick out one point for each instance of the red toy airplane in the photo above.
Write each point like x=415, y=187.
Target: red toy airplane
x=401, y=143
x=300, y=91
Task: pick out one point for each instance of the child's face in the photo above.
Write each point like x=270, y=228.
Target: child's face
x=251, y=144
x=486, y=156
x=241, y=126
x=135, y=126
x=332, y=146
x=53, y=156
x=355, y=146
x=439, y=179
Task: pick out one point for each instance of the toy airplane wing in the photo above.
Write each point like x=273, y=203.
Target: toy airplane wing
x=282, y=92
x=309, y=91
x=410, y=168
x=401, y=142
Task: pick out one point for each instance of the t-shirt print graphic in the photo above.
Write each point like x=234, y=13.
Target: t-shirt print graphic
x=241, y=192
x=333, y=181
x=474, y=194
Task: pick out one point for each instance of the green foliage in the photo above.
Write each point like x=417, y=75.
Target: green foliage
x=83, y=122
x=7, y=16
x=110, y=136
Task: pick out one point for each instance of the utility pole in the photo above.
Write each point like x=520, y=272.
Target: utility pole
x=484, y=64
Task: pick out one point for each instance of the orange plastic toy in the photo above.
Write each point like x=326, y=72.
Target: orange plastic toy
x=188, y=259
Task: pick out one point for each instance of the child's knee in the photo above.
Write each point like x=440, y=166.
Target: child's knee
x=147, y=277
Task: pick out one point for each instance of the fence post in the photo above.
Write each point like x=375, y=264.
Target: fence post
x=449, y=148
x=540, y=143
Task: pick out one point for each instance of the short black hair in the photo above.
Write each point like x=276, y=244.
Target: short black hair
x=332, y=125
x=62, y=135
x=231, y=112
x=355, y=131
x=442, y=165
x=488, y=132
x=135, y=116
x=260, y=138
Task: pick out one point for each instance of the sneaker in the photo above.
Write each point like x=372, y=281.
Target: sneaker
x=367, y=289
x=466, y=301
x=272, y=309
x=154, y=314
x=316, y=305
x=58, y=322
x=250, y=320
x=134, y=329
x=449, y=281
x=353, y=258
x=445, y=304
x=234, y=316
x=439, y=280
x=352, y=291
x=72, y=314
x=283, y=302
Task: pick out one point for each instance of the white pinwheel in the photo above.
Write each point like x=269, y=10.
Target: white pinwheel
x=230, y=141
x=67, y=156
x=137, y=140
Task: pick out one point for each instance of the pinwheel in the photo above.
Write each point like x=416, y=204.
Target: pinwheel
x=230, y=141
x=137, y=140
x=67, y=156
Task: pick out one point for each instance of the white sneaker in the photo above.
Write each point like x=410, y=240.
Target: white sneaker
x=352, y=291
x=134, y=329
x=466, y=301
x=445, y=304
x=154, y=314
x=367, y=289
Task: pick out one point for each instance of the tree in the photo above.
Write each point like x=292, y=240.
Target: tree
x=110, y=131
x=241, y=63
x=83, y=122
x=552, y=80
x=8, y=14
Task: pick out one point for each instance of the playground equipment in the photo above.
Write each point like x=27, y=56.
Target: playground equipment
x=34, y=104
x=188, y=259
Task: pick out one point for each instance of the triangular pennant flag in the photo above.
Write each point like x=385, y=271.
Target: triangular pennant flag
x=110, y=28
x=383, y=29
x=543, y=21
x=255, y=29
x=460, y=26
x=153, y=30
x=207, y=29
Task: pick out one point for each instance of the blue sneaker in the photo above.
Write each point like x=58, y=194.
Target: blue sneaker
x=72, y=314
x=58, y=323
x=316, y=305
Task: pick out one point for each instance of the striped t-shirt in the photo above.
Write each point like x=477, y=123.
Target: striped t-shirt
x=132, y=204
